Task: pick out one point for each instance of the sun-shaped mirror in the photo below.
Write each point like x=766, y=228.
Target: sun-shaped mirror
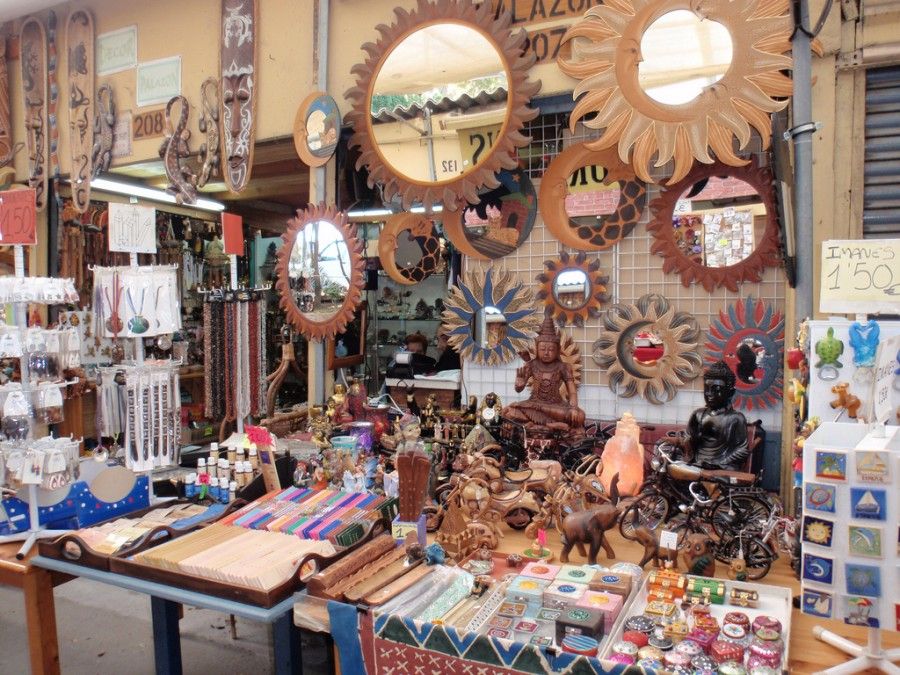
x=718, y=226
x=440, y=102
x=649, y=349
x=490, y=317
x=573, y=288
x=672, y=79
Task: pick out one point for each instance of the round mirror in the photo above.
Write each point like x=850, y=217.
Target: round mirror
x=317, y=127
x=717, y=226
x=320, y=272
x=750, y=356
x=489, y=327
x=682, y=54
x=572, y=288
x=647, y=347
x=590, y=200
x=439, y=100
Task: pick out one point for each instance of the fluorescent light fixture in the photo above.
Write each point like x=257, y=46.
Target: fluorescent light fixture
x=377, y=213
x=144, y=192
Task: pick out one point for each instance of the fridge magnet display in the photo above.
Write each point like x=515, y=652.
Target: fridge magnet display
x=818, y=569
x=863, y=580
x=868, y=503
x=831, y=465
x=861, y=611
x=865, y=541
x=819, y=497
x=873, y=466
x=817, y=531
x=817, y=603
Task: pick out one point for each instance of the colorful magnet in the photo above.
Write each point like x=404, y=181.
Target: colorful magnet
x=869, y=503
x=819, y=497
x=818, y=569
x=817, y=531
x=829, y=350
x=831, y=465
x=817, y=603
x=863, y=580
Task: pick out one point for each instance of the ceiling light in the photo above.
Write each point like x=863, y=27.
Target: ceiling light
x=144, y=192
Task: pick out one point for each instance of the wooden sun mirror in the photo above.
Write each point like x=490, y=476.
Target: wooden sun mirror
x=409, y=248
x=348, y=348
x=573, y=288
x=718, y=226
x=638, y=63
x=649, y=349
x=409, y=88
x=490, y=317
x=320, y=272
x=590, y=199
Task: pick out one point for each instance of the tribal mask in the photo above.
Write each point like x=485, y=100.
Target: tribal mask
x=238, y=65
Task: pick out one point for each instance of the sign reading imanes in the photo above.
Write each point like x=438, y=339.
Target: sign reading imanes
x=860, y=276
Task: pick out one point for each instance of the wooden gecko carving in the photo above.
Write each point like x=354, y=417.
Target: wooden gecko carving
x=182, y=179
x=103, y=130
x=209, y=125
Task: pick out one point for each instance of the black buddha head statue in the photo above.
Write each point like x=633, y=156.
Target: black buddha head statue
x=718, y=386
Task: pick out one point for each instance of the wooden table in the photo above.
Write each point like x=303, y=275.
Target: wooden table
x=37, y=585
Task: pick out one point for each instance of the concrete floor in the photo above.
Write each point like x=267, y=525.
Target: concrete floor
x=103, y=629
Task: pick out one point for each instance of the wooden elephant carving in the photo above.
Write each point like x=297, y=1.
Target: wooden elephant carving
x=590, y=526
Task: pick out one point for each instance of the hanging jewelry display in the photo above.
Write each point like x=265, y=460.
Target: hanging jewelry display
x=209, y=125
x=104, y=124
x=649, y=349
x=237, y=65
x=137, y=301
x=829, y=350
x=34, y=93
x=80, y=41
x=749, y=337
x=174, y=149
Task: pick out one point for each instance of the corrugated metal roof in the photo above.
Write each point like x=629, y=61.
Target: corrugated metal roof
x=463, y=102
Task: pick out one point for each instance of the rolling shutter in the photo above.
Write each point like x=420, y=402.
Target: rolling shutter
x=881, y=191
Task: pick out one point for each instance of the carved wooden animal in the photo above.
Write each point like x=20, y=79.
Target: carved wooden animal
x=652, y=553
x=699, y=556
x=850, y=402
x=589, y=527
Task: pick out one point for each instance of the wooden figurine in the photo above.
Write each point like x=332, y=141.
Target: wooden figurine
x=104, y=123
x=846, y=400
x=652, y=552
x=174, y=149
x=589, y=527
x=737, y=569
x=209, y=126
x=698, y=555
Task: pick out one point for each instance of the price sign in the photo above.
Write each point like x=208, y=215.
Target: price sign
x=860, y=276
x=132, y=228
x=233, y=233
x=885, y=373
x=17, y=217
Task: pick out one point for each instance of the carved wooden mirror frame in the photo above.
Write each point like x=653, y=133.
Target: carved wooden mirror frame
x=615, y=226
x=765, y=253
x=332, y=359
x=561, y=314
x=422, y=229
x=605, y=57
x=520, y=90
x=310, y=329
x=312, y=103
x=658, y=382
x=490, y=288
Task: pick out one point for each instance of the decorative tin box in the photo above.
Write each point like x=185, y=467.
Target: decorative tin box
x=610, y=582
x=528, y=590
x=711, y=590
x=580, y=621
x=743, y=597
x=540, y=570
x=665, y=582
x=609, y=604
x=575, y=574
x=563, y=591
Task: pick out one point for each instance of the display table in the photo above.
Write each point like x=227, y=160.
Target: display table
x=37, y=585
x=164, y=605
x=444, y=390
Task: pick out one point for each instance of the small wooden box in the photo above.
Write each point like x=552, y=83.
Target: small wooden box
x=540, y=570
x=575, y=574
x=711, y=590
x=563, y=592
x=743, y=597
x=609, y=604
x=580, y=621
x=528, y=590
x=609, y=582
x=667, y=581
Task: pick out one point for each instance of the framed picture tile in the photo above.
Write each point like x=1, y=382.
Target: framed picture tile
x=873, y=466
x=831, y=464
x=863, y=580
x=865, y=541
x=861, y=611
x=818, y=531
x=819, y=497
x=817, y=603
x=868, y=503
x=818, y=568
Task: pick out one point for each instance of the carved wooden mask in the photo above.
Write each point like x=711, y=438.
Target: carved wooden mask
x=80, y=41
x=237, y=62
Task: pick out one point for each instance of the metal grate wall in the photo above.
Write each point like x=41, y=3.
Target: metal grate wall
x=881, y=189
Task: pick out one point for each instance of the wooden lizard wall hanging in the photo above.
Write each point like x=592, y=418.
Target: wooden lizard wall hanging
x=237, y=64
x=34, y=94
x=104, y=123
x=175, y=148
x=80, y=41
x=209, y=125
x=7, y=149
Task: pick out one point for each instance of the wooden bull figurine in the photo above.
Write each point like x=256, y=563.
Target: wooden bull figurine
x=589, y=527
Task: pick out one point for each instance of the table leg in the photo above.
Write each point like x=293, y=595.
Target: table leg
x=166, y=636
x=286, y=639
x=41, y=616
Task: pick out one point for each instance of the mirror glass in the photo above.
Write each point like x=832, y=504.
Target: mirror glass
x=323, y=123
x=319, y=270
x=490, y=327
x=409, y=251
x=648, y=347
x=571, y=288
x=588, y=200
x=504, y=216
x=719, y=221
x=680, y=55
x=439, y=102
x=749, y=357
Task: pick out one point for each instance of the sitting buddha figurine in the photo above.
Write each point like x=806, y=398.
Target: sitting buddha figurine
x=546, y=408
x=718, y=433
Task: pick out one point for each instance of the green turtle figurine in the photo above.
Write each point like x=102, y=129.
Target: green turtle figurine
x=829, y=349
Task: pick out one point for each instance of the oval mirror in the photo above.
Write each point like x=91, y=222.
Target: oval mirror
x=320, y=272
x=572, y=288
x=440, y=102
x=590, y=200
x=718, y=226
x=499, y=222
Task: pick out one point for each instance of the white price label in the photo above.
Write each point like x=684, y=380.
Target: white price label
x=668, y=539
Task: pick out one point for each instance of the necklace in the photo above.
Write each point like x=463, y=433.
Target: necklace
x=137, y=324
x=114, y=323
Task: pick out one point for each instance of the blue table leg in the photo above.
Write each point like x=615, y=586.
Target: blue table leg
x=286, y=639
x=166, y=636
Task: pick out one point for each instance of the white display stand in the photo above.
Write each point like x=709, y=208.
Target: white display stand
x=837, y=480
